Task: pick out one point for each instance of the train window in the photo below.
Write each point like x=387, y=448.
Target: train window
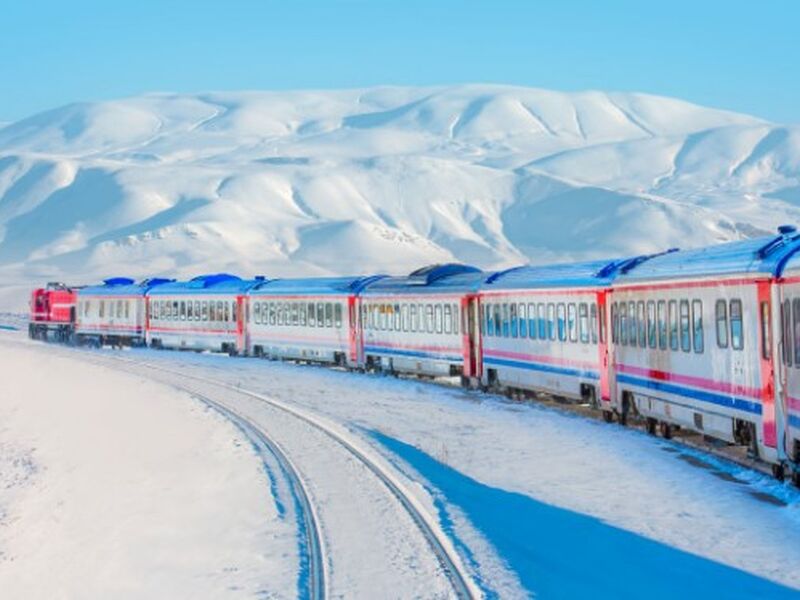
x=593, y=322
x=190, y=311
x=796, y=324
x=337, y=315
x=272, y=313
x=541, y=316
x=641, y=323
x=514, y=322
x=182, y=310
x=456, y=317
x=721, y=317
x=786, y=332
x=651, y=323
x=390, y=317
x=197, y=310
x=532, y=321
x=312, y=315
x=204, y=308
x=320, y=315
x=404, y=317
x=412, y=317
x=737, y=330
x=302, y=314
x=572, y=322
x=328, y=315
x=227, y=312
x=257, y=313
x=614, y=323
x=234, y=311
x=438, y=318
x=279, y=313
x=697, y=326
x=127, y=309
x=662, y=324
x=85, y=307
x=561, y=321
x=220, y=310
x=294, y=317
x=522, y=315
x=448, y=318
x=602, y=321
x=396, y=317
x=498, y=323
x=766, y=331
x=686, y=341
x=673, y=325
x=583, y=321
x=632, y=323
x=506, y=332
x=623, y=323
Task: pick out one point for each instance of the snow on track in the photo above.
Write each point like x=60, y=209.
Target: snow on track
x=422, y=578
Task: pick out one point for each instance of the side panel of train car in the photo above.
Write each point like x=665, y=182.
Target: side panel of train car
x=306, y=319
x=426, y=323
x=544, y=329
x=113, y=313
x=788, y=378
x=205, y=313
x=52, y=312
x=693, y=342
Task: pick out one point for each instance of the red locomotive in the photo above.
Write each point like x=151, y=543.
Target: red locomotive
x=52, y=314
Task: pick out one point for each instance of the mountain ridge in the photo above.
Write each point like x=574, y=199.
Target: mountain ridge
x=380, y=179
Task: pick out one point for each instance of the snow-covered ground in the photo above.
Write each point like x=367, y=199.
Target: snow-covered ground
x=378, y=180
x=545, y=501
x=127, y=489
x=538, y=501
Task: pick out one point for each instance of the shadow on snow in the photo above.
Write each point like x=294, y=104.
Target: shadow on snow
x=558, y=553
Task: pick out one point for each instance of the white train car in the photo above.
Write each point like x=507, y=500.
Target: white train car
x=544, y=329
x=205, y=313
x=788, y=380
x=426, y=323
x=113, y=313
x=314, y=320
x=693, y=345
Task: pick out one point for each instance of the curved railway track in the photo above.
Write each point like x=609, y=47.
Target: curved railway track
x=460, y=580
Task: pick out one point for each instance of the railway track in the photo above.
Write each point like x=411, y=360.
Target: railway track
x=461, y=582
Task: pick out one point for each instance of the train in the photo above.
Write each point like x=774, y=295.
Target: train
x=705, y=340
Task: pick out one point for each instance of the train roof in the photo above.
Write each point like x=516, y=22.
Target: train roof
x=596, y=273
x=315, y=285
x=431, y=279
x=764, y=255
x=217, y=283
x=122, y=286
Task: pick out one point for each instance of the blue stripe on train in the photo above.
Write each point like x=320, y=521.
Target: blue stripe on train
x=794, y=421
x=516, y=364
x=412, y=353
x=702, y=395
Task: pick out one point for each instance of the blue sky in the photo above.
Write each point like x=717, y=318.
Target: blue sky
x=743, y=56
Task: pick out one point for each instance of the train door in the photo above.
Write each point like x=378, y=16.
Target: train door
x=240, y=316
x=602, y=347
x=766, y=365
x=608, y=350
x=353, y=329
x=470, y=327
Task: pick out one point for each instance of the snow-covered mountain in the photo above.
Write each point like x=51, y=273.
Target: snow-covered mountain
x=380, y=179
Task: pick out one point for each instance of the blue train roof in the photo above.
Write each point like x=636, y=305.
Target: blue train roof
x=122, y=286
x=432, y=279
x=766, y=255
x=314, y=285
x=597, y=273
x=218, y=283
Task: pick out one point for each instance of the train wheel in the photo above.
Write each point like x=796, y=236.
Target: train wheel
x=796, y=478
x=608, y=416
x=778, y=472
x=651, y=425
x=666, y=430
